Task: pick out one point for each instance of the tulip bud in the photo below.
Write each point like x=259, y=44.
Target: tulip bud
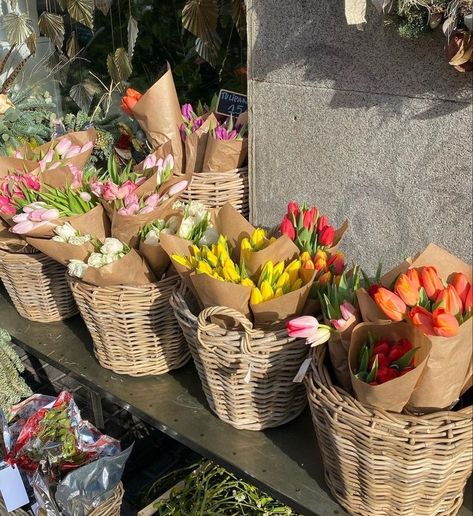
x=391, y=304
x=422, y=318
x=414, y=277
x=326, y=236
x=63, y=146
x=445, y=324
x=449, y=300
x=308, y=220
x=406, y=290
x=177, y=188
x=461, y=285
x=325, y=278
x=293, y=209
x=287, y=228
x=322, y=223
x=431, y=282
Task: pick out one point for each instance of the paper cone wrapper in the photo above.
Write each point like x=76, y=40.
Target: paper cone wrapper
x=212, y=292
x=16, y=166
x=275, y=312
x=129, y=270
x=61, y=252
x=339, y=233
x=9, y=241
x=338, y=347
x=395, y=394
x=196, y=145
x=224, y=155
x=159, y=114
x=149, y=186
x=282, y=250
x=229, y=222
x=156, y=258
x=60, y=177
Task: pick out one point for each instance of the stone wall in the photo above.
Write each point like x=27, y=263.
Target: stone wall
x=365, y=124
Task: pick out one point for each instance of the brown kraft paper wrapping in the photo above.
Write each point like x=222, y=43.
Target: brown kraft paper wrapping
x=9, y=241
x=196, y=145
x=229, y=222
x=394, y=394
x=129, y=270
x=159, y=114
x=10, y=165
x=338, y=236
x=275, y=312
x=62, y=252
x=224, y=155
x=156, y=257
x=338, y=346
x=281, y=250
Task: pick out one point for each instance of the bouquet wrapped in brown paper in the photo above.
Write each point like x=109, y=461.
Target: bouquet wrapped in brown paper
x=433, y=292
x=386, y=363
x=112, y=263
x=159, y=114
x=9, y=241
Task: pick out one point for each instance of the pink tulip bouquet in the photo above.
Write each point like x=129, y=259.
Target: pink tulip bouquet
x=228, y=131
x=190, y=121
x=14, y=189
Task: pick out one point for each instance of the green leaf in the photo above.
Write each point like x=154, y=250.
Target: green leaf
x=378, y=272
x=364, y=359
x=405, y=360
x=374, y=371
x=424, y=300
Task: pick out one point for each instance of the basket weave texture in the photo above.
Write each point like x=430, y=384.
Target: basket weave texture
x=215, y=189
x=37, y=286
x=385, y=464
x=110, y=507
x=133, y=328
x=246, y=374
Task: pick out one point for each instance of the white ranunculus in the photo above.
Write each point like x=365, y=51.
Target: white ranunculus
x=65, y=231
x=152, y=238
x=209, y=237
x=96, y=260
x=112, y=246
x=79, y=240
x=76, y=268
x=110, y=258
x=186, y=227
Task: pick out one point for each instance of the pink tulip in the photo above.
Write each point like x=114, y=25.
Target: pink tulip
x=50, y=214
x=110, y=191
x=177, y=188
x=63, y=146
x=49, y=156
x=37, y=215
x=168, y=161
x=87, y=147
x=149, y=162
x=24, y=227
x=338, y=324
x=132, y=209
x=307, y=327
x=130, y=199
x=18, y=154
x=152, y=201
x=85, y=196
x=127, y=188
x=347, y=310
x=77, y=176
x=73, y=151
x=6, y=208
x=96, y=187
x=21, y=217
x=146, y=209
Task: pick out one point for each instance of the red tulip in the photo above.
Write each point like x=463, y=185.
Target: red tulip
x=337, y=263
x=431, y=282
x=385, y=374
x=461, y=285
x=449, y=300
x=391, y=304
x=413, y=275
x=422, y=318
x=406, y=290
x=322, y=223
x=293, y=209
x=309, y=218
x=373, y=289
x=326, y=236
x=287, y=228
x=445, y=324
x=468, y=307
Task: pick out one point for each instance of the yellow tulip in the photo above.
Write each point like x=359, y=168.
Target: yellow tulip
x=283, y=281
x=256, y=296
x=245, y=245
x=293, y=270
x=266, y=291
x=258, y=239
x=204, y=268
x=230, y=272
x=211, y=258
x=278, y=292
x=181, y=260
x=247, y=282
x=266, y=273
x=297, y=284
x=305, y=257
x=277, y=271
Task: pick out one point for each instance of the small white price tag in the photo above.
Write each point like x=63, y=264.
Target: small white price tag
x=12, y=488
x=302, y=371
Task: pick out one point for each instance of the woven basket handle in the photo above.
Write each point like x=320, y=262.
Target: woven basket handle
x=205, y=325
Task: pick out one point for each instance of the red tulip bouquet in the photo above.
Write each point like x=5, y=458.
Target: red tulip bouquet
x=433, y=293
x=386, y=363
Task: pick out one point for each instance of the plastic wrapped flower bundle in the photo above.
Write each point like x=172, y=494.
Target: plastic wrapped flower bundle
x=70, y=465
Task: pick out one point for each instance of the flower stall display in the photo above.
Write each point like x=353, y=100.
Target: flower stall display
x=70, y=465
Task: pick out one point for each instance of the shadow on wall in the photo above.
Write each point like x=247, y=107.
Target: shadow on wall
x=313, y=46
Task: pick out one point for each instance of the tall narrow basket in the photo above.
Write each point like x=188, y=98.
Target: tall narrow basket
x=215, y=189
x=133, y=327
x=246, y=375
x=37, y=286
x=386, y=464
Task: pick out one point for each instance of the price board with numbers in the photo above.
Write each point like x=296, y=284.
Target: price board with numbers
x=231, y=103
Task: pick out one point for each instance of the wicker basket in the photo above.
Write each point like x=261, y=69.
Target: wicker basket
x=133, y=328
x=385, y=464
x=37, y=286
x=215, y=189
x=246, y=375
x=110, y=507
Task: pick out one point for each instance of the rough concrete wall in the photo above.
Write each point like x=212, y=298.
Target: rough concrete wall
x=366, y=125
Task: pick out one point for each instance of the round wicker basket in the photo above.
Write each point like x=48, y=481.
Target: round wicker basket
x=133, y=328
x=385, y=464
x=37, y=286
x=215, y=189
x=246, y=375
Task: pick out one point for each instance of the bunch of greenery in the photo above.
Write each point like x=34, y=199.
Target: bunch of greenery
x=12, y=386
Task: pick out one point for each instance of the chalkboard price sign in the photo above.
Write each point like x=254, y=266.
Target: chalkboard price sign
x=231, y=103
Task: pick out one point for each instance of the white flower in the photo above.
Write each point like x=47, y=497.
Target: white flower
x=152, y=238
x=209, y=237
x=112, y=246
x=110, y=258
x=58, y=239
x=96, y=260
x=179, y=205
x=167, y=231
x=79, y=240
x=65, y=231
x=187, y=225
x=76, y=268
x=172, y=224
x=197, y=210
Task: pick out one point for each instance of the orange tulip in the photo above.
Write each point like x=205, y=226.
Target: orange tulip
x=306, y=271
x=406, y=290
x=130, y=92
x=391, y=304
x=461, y=285
x=336, y=263
x=431, y=282
x=325, y=278
x=129, y=100
x=445, y=324
x=413, y=275
x=450, y=301
x=422, y=318
x=468, y=306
